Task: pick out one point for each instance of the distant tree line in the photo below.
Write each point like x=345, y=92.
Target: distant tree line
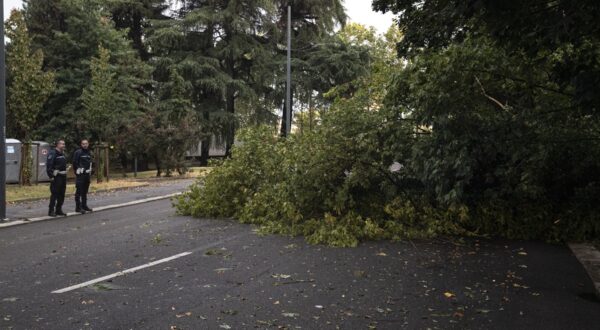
x=484, y=120
x=153, y=78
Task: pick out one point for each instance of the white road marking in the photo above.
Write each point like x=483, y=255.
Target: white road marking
x=96, y=209
x=121, y=273
x=132, y=270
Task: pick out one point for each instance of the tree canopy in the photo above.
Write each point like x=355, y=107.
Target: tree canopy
x=561, y=33
x=482, y=120
x=468, y=117
x=29, y=87
x=228, y=56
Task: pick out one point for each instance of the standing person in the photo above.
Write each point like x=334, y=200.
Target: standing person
x=56, y=168
x=82, y=165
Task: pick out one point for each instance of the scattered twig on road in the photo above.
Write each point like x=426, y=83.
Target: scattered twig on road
x=293, y=282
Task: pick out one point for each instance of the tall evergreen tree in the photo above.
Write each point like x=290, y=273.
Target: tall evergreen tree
x=135, y=16
x=215, y=44
x=178, y=127
x=234, y=49
x=313, y=24
x=228, y=52
x=69, y=32
x=28, y=87
x=241, y=30
x=97, y=99
x=42, y=18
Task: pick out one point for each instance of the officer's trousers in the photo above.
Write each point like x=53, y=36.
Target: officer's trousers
x=58, y=186
x=82, y=185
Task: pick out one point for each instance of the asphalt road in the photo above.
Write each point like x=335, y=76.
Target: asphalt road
x=24, y=210
x=237, y=279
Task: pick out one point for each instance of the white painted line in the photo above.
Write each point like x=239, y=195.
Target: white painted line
x=121, y=273
x=13, y=223
x=131, y=270
x=96, y=209
x=146, y=200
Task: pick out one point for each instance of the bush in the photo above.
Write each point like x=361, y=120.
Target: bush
x=327, y=185
x=523, y=168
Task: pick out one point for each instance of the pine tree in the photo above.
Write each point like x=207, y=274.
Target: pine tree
x=212, y=44
x=178, y=130
x=239, y=41
x=135, y=17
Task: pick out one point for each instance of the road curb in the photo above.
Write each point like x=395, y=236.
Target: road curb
x=163, y=178
x=96, y=209
x=589, y=257
x=37, y=199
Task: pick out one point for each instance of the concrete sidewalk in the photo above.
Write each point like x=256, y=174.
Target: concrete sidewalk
x=34, y=209
x=589, y=257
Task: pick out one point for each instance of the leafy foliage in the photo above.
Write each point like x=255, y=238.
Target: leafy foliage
x=560, y=36
x=303, y=186
x=496, y=136
x=29, y=87
x=510, y=118
x=331, y=184
x=70, y=33
x=229, y=53
x=98, y=100
x=486, y=123
x=479, y=140
x=135, y=17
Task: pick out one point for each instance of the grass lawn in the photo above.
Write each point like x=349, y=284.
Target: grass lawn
x=193, y=172
x=15, y=193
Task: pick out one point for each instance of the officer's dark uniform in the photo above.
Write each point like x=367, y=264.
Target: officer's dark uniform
x=82, y=165
x=56, y=168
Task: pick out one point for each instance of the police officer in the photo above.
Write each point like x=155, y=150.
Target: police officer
x=56, y=168
x=82, y=165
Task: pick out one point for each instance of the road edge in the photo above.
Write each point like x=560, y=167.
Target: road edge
x=37, y=199
x=589, y=257
x=96, y=209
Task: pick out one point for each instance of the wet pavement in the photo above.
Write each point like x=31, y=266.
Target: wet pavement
x=226, y=276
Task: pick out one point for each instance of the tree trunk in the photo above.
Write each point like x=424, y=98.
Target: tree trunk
x=230, y=134
x=310, y=113
x=230, y=108
x=283, y=129
x=124, y=163
x=99, y=163
x=205, y=146
x=284, y=117
x=143, y=161
x=204, y=152
x=107, y=164
x=158, y=165
x=25, y=168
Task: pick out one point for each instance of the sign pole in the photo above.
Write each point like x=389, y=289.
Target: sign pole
x=2, y=119
x=288, y=89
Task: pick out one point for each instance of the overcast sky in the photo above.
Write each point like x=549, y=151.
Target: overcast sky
x=358, y=10
x=9, y=5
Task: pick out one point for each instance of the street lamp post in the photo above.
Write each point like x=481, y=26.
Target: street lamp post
x=2, y=119
x=288, y=88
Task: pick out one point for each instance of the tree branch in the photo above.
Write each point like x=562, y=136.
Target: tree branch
x=502, y=106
